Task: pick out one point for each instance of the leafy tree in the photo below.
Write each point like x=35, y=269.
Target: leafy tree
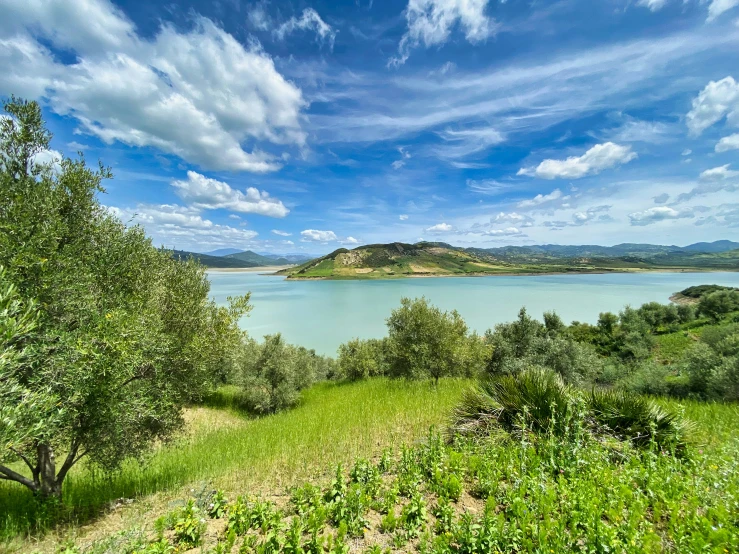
x=272, y=373
x=359, y=359
x=104, y=336
x=717, y=304
x=423, y=341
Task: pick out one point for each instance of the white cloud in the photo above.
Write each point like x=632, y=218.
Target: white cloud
x=654, y=5
x=50, y=158
x=430, y=23
x=728, y=143
x=281, y=233
x=716, y=100
x=318, y=236
x=198, y=94
x=719, y=174
x=182, y=227
x=661, y=198
x=507, y=232
x=686, y=152
x=520, y=220
x=488, y=187
x=718, y=7
x=205, y=193
x=540, y=199
x=403, y=217
x=308, y=21
x=350, y=240
x=258, y=17
x=657, y=214
x=465, y=142
x=440, y=228
x=404, y=155
x=595, y=160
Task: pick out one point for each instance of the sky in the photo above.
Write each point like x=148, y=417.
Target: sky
x=307, y=125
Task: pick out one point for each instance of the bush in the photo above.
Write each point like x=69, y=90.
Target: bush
x=535, y=399
x=717, y=304
x=423, y=341
x=272, y=374
x=637, y=419
x=359, y=359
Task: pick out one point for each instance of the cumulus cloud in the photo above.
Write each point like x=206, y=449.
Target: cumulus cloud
x=540, y=199
x=657, y=214
x=205, y=193
x=403, y=217
x=281, y=233
x=728, y=143
x=350, y=240
x=595, y=160
x=507, y=232
x=308, y=21
x=520, y=220
x=717, y=100
x=430, y=22
x=312, y=235
x=198, y=94
x=182, y=227
x=50, y=158
x=440, y=228
x=719, y=174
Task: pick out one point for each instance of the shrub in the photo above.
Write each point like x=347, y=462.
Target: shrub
x=637, y=419
x=359, y=359
x=537, y=399
x=423, y=341
x=717, y=304
x=272, y=374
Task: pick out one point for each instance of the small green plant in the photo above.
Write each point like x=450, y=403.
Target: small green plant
x=294, y=537
x=414, y=515
x=390, y=522
x=444, y=514
x=239, y=520
x=217, y=505
x=189, y=526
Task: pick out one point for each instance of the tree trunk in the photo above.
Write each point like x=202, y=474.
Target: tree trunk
x=49, y=485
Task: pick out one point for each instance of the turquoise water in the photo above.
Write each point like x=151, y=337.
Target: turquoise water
x=323, y=314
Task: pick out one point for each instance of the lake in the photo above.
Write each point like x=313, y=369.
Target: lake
x=324, y=314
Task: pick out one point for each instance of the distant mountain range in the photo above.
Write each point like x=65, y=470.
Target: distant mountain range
x=233, y=258
x=383, y=261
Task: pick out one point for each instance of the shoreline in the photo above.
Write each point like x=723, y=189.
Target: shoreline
x=270, y=269
x=513, y=274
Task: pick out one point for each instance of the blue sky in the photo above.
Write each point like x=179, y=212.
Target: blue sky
x=302, y=126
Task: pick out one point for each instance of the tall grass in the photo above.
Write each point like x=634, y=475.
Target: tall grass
x=334, y=423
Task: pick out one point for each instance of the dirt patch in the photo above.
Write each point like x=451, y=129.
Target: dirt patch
x=363, y=270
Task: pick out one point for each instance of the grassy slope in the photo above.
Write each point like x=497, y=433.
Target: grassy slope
x=335, y=423
x=403, y=260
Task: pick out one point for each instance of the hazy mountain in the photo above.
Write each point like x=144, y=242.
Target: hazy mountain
x=212, y=261
x=224, y=252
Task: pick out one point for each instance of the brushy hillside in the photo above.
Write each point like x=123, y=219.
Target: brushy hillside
x=257, y=259
x=385, y=261
x=212, y=261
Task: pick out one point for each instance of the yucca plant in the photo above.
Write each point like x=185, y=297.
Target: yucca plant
x=637, y=419
x=536, y=399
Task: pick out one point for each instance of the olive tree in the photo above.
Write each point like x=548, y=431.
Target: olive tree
x=104, y=336
x=423, y=341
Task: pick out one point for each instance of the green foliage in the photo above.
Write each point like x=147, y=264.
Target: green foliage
x=122, y=335
x=719, y=303
x=703, y=290
x=360, y=359
x=424, y=342
x=189, y=526
x=527, y=343
x=271, y=374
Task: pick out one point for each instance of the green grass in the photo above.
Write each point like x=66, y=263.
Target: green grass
x=334, y=423
x=535, y=493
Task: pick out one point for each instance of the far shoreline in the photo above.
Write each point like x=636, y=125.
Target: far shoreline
x=516, y=274
x=269, y=269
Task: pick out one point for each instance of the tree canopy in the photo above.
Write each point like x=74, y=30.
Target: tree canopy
x=103, y=337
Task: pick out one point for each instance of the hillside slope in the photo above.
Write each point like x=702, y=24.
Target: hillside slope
x=213, y=261
x=386, y=261
x=257, y=259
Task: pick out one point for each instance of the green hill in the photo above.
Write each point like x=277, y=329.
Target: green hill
x=213, y=261
x=257, y=259
x=386, y=261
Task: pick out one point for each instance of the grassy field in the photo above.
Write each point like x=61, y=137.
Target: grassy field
x=504, y=495
x=334, y=423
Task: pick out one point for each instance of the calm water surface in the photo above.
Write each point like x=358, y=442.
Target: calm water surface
x=323, y=314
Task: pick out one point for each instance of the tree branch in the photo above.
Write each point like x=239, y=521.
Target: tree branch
x=10, y=475
x=22, y=457
x=72, y=459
